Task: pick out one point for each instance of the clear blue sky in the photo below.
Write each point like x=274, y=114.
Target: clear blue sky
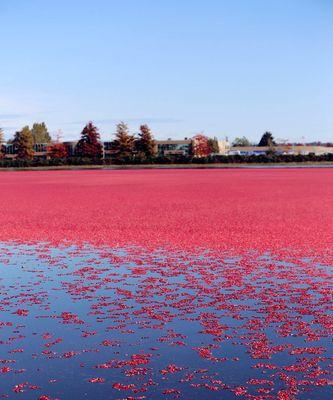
x=225, y=67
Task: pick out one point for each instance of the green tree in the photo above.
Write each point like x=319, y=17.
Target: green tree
x=40, y=133
x=124, y=143
x=241, y=142
x=145, y=143
x=267, y=139
x=24, y=143
x=214, y=145
x=89, y=145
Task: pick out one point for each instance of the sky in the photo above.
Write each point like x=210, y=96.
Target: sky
x=221, y=67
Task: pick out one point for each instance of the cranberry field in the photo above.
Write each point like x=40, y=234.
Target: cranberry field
x=166, y=284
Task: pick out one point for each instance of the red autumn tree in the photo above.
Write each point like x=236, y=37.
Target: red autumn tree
x=58, y=150
x=201, y=146
x=89, y=145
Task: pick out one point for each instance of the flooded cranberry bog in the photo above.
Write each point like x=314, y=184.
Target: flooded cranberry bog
x=196, y=284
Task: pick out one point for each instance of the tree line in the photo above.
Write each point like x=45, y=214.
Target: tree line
x=88, y=146
x=126, y=147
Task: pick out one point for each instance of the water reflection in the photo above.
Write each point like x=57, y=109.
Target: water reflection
x=124, y=323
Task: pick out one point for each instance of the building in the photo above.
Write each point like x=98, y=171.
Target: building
x=280, y=149
x=248, y=150
x=70, y=146
x=224, y=146
x=173, y=147
x=306, y=149
x=109, y=149
x=40, y=150
x=9, y=150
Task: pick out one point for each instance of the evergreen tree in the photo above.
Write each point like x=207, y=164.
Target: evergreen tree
x=40, y=133
x=89, y=145
x=124, y=143
x=24, y=143
x=267, y=139
x=145, y=143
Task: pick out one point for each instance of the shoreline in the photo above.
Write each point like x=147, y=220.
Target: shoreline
x=175, y=166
